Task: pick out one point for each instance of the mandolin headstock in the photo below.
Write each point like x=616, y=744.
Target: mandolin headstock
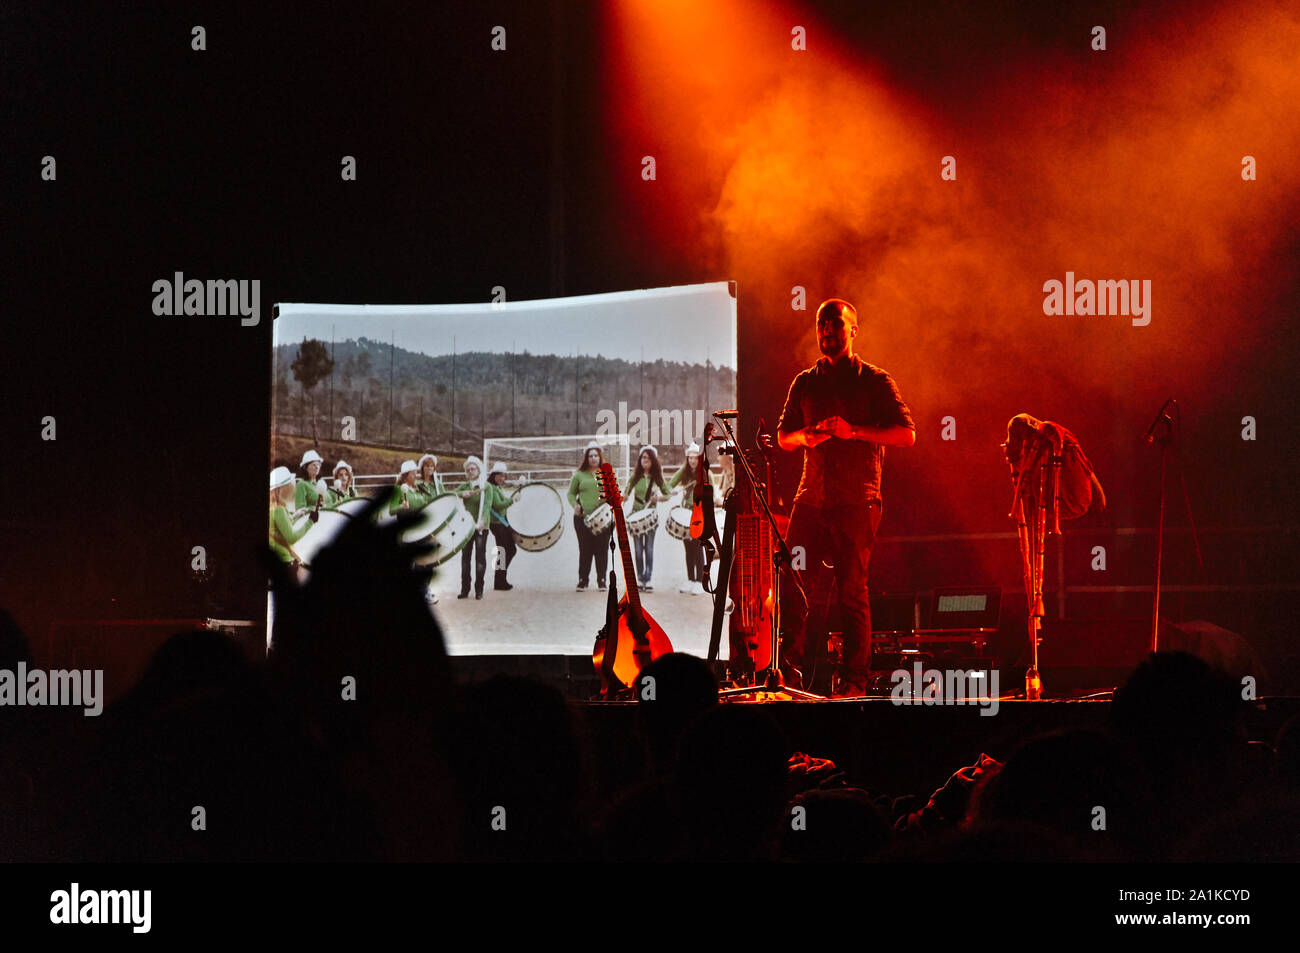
x=609, y=485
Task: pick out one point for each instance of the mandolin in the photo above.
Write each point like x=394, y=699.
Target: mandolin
x=636, y=639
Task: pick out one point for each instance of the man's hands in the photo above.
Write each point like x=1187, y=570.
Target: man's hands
x=816, y=434
x=840, y=428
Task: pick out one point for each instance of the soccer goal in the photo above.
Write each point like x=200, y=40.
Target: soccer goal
x=553, y=459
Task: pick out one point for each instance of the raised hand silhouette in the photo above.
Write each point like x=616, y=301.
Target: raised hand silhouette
x=360, y=651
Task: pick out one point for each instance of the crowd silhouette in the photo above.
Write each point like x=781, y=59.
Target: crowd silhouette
x=353, y=742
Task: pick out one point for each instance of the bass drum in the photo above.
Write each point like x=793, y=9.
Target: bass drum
x=328, y=526
x=351, y=507
x=444, y=523
x=679, y=523
x=599, y=519
x=536, y=517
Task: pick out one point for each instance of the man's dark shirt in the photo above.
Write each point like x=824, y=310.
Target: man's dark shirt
x=842, y=472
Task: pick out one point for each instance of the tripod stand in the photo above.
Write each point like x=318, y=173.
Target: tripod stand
x=770, y=678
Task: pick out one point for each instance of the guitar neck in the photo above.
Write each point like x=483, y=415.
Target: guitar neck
x=629, y=576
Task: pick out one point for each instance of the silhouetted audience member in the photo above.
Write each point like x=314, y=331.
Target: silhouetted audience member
x=1077, y=784
x=835, y=826
x=200, y=761
x=521, y=772
x=731, y=777
x=642, y=822
x=684, y=689
x=1183, y=723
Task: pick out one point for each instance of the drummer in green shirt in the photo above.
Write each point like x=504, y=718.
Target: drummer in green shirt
x=471, y=493
x=686, y=479
x=645, y=488
x=499, y=525
x=308, y=492
x=343, y=488
x=585, y=498
x=406, y=498
x=429, y=481
x=284, y=532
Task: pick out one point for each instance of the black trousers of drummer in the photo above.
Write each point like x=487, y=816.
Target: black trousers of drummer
x=592, y=544
x=504, y=555
x=695, y=571
x=475, y=549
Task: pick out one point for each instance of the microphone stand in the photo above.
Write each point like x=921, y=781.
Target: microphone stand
x=1166, y=438
x=770, y=679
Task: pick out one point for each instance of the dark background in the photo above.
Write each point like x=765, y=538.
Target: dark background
x=478, y=169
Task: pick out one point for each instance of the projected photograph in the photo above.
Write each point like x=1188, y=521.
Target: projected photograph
x=490, y=423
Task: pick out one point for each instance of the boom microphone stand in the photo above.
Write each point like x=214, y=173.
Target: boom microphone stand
x=769, y=680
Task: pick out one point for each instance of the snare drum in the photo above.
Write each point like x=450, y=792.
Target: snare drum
x=536, y=517
x=446, y=524
x=679, y=523
x=599, y=519
x=643, y=522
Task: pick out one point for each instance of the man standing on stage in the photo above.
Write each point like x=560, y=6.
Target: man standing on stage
x=844, y=411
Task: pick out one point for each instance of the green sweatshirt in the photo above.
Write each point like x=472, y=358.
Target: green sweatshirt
x=639, y=493
x=335, y=497
x=584, y=488
x=431, y=489
x=284, y=533
x=418, y=500
x=499, y=503
x=685, y=478
x=305, y=495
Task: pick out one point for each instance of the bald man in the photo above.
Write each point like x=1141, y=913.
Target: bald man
x=843, y=412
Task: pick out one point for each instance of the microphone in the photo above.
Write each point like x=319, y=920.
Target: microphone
x=727, y=414
x=1150, y=435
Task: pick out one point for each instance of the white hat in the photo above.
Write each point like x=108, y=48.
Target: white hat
x=408, y=466
x=650, y=447
x=693, y=448
x=592, y=445
x=474, y=460
x=311, y=456
x=427, y=456
x=497, y=467
x=342, y=465
x=280, y=476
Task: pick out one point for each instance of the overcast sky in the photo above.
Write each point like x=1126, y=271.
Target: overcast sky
x=683, y=323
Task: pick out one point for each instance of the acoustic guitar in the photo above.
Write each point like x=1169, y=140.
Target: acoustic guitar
x=636, y=639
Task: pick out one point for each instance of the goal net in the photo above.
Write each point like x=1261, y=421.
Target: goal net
x=553, y=459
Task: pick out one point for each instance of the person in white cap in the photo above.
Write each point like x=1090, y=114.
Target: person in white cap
x=685, y=478
x=343, y=488
x=430, y=480
x=500, y=525
x=646, y=487
x=284, y=532
x=308, y=492
x=585, y=498
x=471, y=493
x=406, y=498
